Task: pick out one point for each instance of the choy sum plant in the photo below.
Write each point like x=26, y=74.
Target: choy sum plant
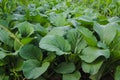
x=59, y=40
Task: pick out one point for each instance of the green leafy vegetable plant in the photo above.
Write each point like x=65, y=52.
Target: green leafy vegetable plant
x=59, y=40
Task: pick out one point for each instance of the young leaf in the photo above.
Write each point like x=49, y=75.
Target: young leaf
x=30, y=52
x=32, y=69
x=27, y=40
x=106, y=32
x=65, y=67
x=73, y=76
x=90, y=54
x=88, y=36
x=55, y=43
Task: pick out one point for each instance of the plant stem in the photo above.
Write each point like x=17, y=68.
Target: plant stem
x=11, y=34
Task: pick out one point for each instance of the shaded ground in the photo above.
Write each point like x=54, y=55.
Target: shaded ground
x=85, y=77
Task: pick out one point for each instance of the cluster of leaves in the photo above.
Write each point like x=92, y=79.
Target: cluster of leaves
x=55, y=39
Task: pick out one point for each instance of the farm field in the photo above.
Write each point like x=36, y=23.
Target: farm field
x=59, y=39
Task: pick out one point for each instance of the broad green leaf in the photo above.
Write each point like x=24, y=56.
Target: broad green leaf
x=30, y=52
x=117, y=73
x=114, y=19
x=106, y=32
x=55, y=43
x=41, y=30
x=5, y=37
x=58, y=19
x=25, y=28
x=18, y=17
x=76, y=40
x=32, y=69
x=86, y=19
x=92, y=68
x=100, y=73
x=2, y=55
x=73, y=76
x=61, y=31
x=90, y=54
x=88, y=36
x=65, y=67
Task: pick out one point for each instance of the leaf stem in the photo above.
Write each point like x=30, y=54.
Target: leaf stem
x=11, y=34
